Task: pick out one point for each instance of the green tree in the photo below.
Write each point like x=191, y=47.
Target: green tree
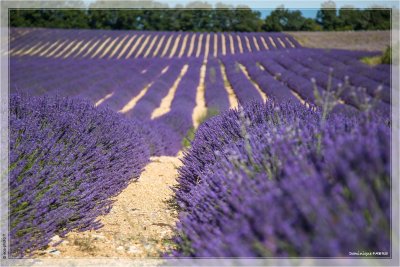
x=246, y=20
x=222, y=17
x=282, y=19
x=351, y=18
x=373, y=18
x=327, y=16
x=379, y=18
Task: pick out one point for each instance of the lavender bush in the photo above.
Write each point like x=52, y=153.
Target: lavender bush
x=67, y=159
x=215, y=94
x=256, y=183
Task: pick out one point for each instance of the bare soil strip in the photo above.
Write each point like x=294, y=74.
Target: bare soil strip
x=83, y=48
x=200, y=108
x=231, y=44
x=272, y=41
x=183, y=47
x=73, y=49
x=132, y=103
x=38, y=49
x=223, y=44
x=126, y=46
x=53, y=51
x=151, y=46
x=166, y=102
x=233, y=101
x=302, y=101
x=137, y=42
x=101, y=47
x=207, y=49
x=290, y=42
x=159, y=45
x=240, y=44
x=19, y=50
x=103, y=99
x=144, y=44
x=61, y=49
x=66, y=49
x=118, y=46
x=264, y=43
x=215, y=45
x=256, y=43
x=248, y=44
x=281, y=42
x=191, y=47
x=260, y=91
x=109, y=47
x=199, y=45
x=175, y=46
x=141, y=222
x=166, y=46
x=30, y=49
x=90, y=48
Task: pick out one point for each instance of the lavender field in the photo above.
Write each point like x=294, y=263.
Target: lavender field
x=286, y=149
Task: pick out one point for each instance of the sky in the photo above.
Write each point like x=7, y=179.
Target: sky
x=308, y=9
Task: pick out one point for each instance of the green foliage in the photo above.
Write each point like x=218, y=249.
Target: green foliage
x=372, y=61
x=49, y=18
x=327, y=17
x=189, y=137
x=205, y=19
x=211, y=112
x=282, y=19
x=387, y=56
x=350, y=18
x=189, y=18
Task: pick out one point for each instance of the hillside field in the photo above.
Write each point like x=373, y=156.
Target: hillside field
x=141, y=144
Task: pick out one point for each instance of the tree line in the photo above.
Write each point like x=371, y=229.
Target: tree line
x=189, y=18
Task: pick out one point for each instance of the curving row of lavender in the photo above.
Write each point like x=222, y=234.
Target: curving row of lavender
x=106, y=44
x=67, y=158
x=277, y=180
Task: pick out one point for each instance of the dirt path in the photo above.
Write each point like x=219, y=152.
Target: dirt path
x=140, y=224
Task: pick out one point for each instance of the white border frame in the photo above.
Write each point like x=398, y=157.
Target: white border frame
x=4, y=109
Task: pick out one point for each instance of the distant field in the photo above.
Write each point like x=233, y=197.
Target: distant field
x=363, y=40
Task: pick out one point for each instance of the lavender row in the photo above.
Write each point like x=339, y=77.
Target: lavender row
x=359, y=75
x=156, y=92
x=63, y=152
x=273, y=88
x=299, y=84
x=216, y=96
x=103, y=44
x=286, y=67
x=257, y=183
x=179, y=119
x=135, y=83
x=244, y=89
x=38, y=75
x=350, y=95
